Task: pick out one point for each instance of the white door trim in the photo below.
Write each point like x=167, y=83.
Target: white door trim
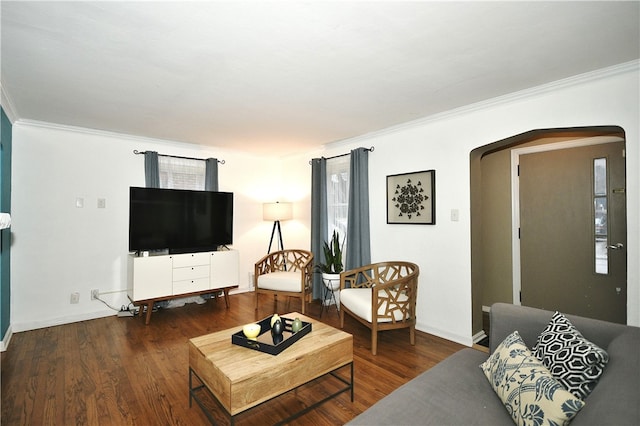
x=515, y=194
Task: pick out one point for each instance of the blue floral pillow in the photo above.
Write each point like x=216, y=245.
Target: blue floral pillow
x=526, y=387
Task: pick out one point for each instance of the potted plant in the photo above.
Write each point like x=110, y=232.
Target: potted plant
x=332, y=265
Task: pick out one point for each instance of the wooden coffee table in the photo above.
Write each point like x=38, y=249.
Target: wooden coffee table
x=241, y=378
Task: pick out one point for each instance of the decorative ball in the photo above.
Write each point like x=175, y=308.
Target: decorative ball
x=251, y=331
x=296, y=325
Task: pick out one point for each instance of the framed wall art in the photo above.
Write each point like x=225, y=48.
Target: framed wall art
x=411, y=198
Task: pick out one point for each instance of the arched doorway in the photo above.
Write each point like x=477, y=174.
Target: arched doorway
x=492, y=209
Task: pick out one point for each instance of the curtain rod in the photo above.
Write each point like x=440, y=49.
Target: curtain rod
x=345, y=154
x=135, y=151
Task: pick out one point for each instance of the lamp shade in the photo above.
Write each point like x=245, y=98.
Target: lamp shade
x=277, y=211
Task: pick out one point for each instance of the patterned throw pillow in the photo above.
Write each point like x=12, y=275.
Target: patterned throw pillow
x=573, y=360
x=527, y=389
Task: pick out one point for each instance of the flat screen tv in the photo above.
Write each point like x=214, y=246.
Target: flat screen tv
x=179, y=221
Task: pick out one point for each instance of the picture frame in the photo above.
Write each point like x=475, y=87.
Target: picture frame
x=411, y=198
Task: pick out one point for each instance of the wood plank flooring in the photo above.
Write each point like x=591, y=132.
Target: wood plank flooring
x=117, y=371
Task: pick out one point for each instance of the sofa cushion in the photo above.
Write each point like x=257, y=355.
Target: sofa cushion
x=453, y=392
x=526, y=387
x=358, y=301
x=281, y=281
x=573, y=360
x=615, y=400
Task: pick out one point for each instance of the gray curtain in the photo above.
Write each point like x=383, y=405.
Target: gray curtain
x=151, y=172
x=211, y=175
x=318, y=218
x=358, y=233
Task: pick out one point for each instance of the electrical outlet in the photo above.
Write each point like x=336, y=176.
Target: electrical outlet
x=95, y=293
x=75, y=297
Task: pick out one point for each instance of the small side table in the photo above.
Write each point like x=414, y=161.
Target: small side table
x=330, y=287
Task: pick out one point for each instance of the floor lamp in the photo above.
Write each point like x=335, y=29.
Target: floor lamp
x=276, y=212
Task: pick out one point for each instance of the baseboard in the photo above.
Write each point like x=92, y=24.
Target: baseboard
x=4, y=344
x=479, y=336
x=34, y=325
x=241, y=290
x=463, y=340
x=51, y=322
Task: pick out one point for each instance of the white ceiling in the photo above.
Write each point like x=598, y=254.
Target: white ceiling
x=283, y=77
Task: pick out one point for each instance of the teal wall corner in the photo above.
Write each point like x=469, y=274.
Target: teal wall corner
x=5, y=234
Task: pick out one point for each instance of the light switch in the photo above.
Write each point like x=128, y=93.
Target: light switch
x=455, y=215
x=79, y=202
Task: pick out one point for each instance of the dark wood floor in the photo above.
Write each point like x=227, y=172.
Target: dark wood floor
x=117, y=371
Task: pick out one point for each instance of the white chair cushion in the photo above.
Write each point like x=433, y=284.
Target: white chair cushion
x=281, y=281
x=358, y=301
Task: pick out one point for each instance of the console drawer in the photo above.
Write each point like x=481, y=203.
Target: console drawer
x=190, y=259
x=190, y=273
x=189, y=286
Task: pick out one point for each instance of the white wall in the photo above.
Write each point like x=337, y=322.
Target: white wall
x=608, y=97
x=58, y=248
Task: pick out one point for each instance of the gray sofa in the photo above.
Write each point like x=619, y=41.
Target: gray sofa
x=456, y=392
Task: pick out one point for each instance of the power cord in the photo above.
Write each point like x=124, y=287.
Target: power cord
x=108, y=305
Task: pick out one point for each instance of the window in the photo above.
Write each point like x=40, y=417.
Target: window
x=600, y=214
x=338, y=197
x=181, y=173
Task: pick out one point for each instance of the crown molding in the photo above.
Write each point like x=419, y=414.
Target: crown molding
x=626, y=67
x=89, y=131
x=602, y=73
x=7, y=105
x=129, y=137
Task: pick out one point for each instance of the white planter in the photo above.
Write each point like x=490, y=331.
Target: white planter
x=332, y=282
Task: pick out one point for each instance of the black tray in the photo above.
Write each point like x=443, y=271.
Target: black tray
x=264, y=342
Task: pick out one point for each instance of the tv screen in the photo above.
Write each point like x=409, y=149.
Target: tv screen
x=180, y=221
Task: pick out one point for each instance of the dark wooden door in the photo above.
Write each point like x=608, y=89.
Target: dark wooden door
x=573, y=231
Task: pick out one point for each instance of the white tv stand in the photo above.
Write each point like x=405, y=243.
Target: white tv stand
x=171, y=276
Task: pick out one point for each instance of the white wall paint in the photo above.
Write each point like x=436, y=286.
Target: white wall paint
x=444, y=144
x=58, y=249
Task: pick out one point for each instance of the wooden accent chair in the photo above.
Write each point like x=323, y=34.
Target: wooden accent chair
x=284, y=273
x=382, y=296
